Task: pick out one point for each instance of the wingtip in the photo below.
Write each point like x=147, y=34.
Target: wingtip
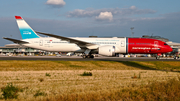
x=18, y=17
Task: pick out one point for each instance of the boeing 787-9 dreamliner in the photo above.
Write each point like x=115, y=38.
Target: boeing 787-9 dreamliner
x=88, y=46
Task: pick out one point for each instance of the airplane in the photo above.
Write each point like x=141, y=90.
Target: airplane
x=88, y=46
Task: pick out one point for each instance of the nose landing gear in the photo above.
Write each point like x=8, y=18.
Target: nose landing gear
x=157, y=57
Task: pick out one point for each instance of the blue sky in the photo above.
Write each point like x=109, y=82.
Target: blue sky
x=83, y=18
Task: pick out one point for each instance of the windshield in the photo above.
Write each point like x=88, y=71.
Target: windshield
x=165, y=44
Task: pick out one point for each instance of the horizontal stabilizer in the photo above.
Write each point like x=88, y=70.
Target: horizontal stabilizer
x=16, y=41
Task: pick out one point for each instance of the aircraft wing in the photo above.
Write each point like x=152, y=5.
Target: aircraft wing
x=16, y=41
x=80, y=43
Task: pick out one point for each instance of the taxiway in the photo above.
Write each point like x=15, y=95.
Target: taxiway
x=77, y=58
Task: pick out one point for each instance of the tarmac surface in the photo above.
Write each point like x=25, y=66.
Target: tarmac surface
x=78, y=58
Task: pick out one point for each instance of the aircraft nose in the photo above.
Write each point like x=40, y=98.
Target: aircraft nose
x=169, y=49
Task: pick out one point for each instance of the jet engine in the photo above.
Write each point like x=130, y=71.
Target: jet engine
x=107, y=50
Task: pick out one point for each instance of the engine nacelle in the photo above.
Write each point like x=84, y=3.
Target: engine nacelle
x=107, y=50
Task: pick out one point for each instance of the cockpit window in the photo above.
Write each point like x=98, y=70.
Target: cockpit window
x=165, y=44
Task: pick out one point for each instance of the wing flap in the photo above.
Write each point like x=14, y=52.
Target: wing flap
x=16, y=41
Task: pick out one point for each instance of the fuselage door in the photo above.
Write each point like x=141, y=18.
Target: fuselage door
x=122, y=43
x=156, y=44
x=40, y=42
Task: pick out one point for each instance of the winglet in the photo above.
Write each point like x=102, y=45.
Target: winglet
x=18, y=17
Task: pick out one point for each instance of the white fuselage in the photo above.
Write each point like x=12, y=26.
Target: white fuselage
x=58, y=45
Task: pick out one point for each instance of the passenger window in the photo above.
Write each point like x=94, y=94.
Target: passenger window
x=165, y=43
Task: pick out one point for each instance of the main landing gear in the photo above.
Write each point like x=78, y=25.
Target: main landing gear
x=88, y=56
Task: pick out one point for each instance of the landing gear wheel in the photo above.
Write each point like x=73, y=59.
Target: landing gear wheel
x=88, y=56
x=157, y=58
x=84, y=56
x=92, y=56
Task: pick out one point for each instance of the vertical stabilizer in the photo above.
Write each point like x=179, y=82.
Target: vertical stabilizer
x=26, y=31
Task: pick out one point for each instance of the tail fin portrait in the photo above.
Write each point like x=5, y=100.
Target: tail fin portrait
x=26, y=31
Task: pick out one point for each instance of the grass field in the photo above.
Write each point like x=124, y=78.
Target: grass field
x=63, y=80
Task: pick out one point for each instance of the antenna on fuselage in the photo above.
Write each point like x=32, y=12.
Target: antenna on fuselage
x=132, y=31
x=151, y=34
